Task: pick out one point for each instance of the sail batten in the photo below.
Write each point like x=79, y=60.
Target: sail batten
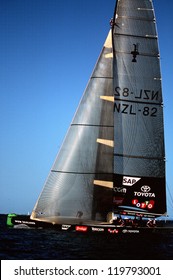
x=107, y=98
x=107, y=184
x=106, y=142
x=142, y=157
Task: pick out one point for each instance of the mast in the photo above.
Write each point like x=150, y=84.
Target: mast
x=139, y=156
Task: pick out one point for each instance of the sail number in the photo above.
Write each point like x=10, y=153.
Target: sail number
x=144, y=94
x=130, y=109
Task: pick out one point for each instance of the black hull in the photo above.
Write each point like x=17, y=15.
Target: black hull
x=24, y=221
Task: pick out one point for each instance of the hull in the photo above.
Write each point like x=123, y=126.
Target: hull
x=24, y=221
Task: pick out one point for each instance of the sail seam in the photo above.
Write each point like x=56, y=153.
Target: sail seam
x=86, y=173
x=142, y=157
x=147, y=36
x=111, y=78
x=94, y=125
x=137, y=18
x=141, y=54
x=141, y=102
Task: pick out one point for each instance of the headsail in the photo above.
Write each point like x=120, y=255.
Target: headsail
x=139, y=157
x=79, y=186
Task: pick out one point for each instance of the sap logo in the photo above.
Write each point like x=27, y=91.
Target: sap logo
x=130, y=181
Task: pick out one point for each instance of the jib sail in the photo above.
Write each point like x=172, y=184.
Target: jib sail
x=79, y=186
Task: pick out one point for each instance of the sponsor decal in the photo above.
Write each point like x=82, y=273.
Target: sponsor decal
x=118, y=200
x=24, y=222
x=145, y=189
x=151, y=204
x=81, y=228
x=65, y=227
x=97, y=229
x=145, y=192
x=130, y=181
x=113, y=230
x=120, y=190
x=148, y=204
x=130, y=231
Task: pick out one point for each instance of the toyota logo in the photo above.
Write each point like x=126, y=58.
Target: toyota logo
x=145, y=189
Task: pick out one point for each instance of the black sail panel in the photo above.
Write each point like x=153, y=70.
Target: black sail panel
x=79, y=186
x=139, y=156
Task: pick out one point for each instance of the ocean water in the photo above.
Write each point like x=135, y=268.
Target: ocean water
x=44, y=244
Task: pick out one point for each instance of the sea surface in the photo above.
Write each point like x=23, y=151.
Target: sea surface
x=44, y=244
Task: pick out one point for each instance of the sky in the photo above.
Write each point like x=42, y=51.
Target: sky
x=47, y=53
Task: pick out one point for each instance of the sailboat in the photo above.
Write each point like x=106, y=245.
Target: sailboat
x=112, y=161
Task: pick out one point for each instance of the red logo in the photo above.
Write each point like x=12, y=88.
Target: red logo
x=146, y=204
x=143, y=205
x=134, y=201
x=81, y=228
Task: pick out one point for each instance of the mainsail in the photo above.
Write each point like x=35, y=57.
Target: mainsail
x=112, y=158
x=139, y=157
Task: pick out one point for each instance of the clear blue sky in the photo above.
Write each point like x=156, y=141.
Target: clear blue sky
x=47, y=52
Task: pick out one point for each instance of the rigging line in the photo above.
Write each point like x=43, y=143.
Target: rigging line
x=140, y=157
x=137, y=36
x=137, y=102
x=93, y=125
